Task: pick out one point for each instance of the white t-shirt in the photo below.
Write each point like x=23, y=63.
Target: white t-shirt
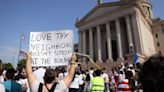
x=60, y=87
x=121, y=77
x=81, y=79
x=24, y=82
x=62, y=76
x=76, y=82
x=39, y=74
x=2, y=88
x=1, y=78
x=91, y=72
x=105, y=77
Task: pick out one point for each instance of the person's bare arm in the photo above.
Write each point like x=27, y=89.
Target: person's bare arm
x=73, y=65
x=30, y=76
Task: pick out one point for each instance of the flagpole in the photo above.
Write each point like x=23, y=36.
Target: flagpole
x=20, y=46
x=13, y=58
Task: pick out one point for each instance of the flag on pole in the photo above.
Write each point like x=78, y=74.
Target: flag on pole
x=20, y=47
x=23, y=37
x=22, y=53
x=136, y=59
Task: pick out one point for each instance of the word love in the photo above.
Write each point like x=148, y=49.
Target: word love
x=48, y=36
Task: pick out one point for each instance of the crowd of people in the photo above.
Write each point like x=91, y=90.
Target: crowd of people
x=148, y=77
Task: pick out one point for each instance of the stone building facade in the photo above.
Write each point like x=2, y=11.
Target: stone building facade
x=114, y=31
x=158, y=32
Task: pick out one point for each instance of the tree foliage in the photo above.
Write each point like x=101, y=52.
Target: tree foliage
x=7, y=66
x=21, y=64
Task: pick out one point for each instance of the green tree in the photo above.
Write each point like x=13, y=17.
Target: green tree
x=7, y=66
x=21, y=64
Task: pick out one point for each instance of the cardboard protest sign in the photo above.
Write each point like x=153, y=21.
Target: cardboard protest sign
x=52, y=48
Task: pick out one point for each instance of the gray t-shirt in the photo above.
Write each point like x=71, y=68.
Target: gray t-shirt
x=60, y=87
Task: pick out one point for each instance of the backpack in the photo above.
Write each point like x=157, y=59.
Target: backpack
x=49, y=90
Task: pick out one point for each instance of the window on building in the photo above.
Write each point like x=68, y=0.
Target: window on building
x=160, y=53
x=156, y=35
x=158, y=44
x=163, y=31
x=162, y=28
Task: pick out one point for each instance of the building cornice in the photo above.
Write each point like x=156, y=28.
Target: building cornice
x=118, y=3
x=127, y=6
x=148, y=19
x=158, y=21
x=124, y=4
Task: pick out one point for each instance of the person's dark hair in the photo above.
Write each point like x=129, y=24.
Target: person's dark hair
x=121, y=72
x=1, y=67
x=98, y=73
x=57, y=70
x=152, y=74
x=91, y=68
x=103, y=69
x=19, y=75
x=10, y=73
x=128, y=74
x=20, y=69
x=49, y=75
x=0, y=61
x=63, y=70
x=79, y=65
x=131, y=67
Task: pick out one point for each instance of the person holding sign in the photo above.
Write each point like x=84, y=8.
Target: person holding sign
x=50, y=84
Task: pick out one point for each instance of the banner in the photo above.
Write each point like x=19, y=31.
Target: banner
x=22, y=53
x=136, y=59
x=52, y=48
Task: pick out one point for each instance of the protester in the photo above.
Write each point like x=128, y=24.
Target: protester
x=91, y=72
x=1, y=72
x=123, y=86
x=97, y=82
x=106, y=79
x=112, y=83
x=87, y=81
x=49, y=78
x=19, y=75
x=74, y=87
x=82, y=78
x=131, y=68
x=2, y=88
x=39, y=74
x=152, y=74
x=10, y=84
x=121, y=76
x=62, y=74
x=23, y=81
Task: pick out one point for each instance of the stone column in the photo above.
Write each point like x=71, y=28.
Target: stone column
x=80, y=43
x=119, y=45
x=84, y=44
x=99, y=43
x=91, y=42
x=109, y=42
x=137, y=34
x=130, y=40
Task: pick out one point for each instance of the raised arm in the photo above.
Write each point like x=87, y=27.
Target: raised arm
x=71, y=71
x=30, y=76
